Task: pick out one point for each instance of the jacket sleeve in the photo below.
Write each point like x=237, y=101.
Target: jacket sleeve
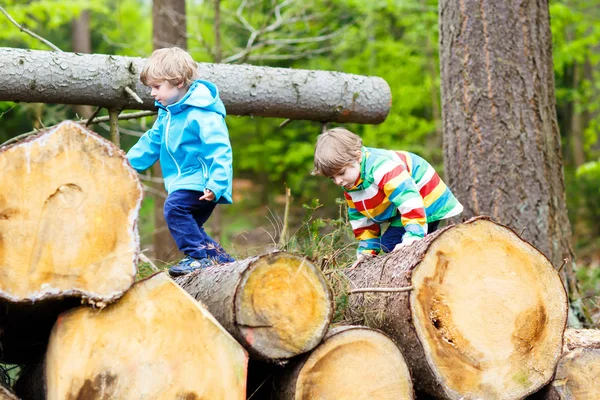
x=147, y=150
x=217, y=151
x=366, y=231
x=399, y=186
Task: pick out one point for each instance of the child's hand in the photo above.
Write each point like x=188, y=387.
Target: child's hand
x=208, y=195
x=359, y=260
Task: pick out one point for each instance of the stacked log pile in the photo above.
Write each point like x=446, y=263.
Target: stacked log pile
x=470, y=312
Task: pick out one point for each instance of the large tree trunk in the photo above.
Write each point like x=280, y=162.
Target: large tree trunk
x=68, y=228
x=277, y=305
x=485, y=317
x=578, y=371
x=100, y=80
x=502, y=145
x=352, y=362
x=168, y=30
x=155, y=342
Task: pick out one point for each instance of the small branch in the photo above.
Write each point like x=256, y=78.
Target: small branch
x=382, y=290
x=565, y=260
x=27, y=31
x=115, y=137
x=145, y=259
x=133, y=95
x=285, y=123
x=121, y=117
x=94, y=115
x=286, y=216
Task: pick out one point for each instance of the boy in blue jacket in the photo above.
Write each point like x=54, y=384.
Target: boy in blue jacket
x=191, y=140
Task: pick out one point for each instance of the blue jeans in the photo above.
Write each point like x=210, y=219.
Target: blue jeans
x=185, y=215
x=393, y=235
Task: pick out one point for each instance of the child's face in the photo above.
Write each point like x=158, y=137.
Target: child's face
x=348, y=176
x=167, y=94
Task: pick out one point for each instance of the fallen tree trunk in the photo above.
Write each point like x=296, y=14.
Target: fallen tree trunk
x=277, y=305
x=68, y=229
x=100, y=80
x=578, y=371
x=352, y=362
x=485, y=317
x=155, y=342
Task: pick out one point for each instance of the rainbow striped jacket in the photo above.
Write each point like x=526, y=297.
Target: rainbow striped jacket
x=396, y=184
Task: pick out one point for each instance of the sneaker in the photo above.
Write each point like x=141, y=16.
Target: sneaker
x=189, y=264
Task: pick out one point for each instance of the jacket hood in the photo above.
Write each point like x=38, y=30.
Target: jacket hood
x=201, y=94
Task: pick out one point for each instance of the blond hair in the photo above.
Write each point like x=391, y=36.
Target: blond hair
x=335, y=150
x=172, y=64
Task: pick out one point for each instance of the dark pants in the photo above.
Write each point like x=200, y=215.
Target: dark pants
x=185, y=216
x=393, y=235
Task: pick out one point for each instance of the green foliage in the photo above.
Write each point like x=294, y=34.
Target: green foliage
x=588, y=182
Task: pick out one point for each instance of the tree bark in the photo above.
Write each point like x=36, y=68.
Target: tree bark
x=155, y=342
x=100, y=80
x=578, y=370
x=68, y=228
x=169, y=24
x=485, y=317
x=81, y=42
x=277, y=305
x=352, y=362
x=168, y=30
x=502, y=146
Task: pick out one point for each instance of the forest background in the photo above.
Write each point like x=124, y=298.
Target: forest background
x=394, y=39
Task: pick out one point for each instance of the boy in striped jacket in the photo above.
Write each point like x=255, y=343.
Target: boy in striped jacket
x=396, y=188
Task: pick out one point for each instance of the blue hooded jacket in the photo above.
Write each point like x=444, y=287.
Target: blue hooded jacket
x=191, y=139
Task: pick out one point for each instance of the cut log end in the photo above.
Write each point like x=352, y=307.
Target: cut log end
x=355, y=363
x=68, y=213
x=156, y=342
x=283, y=306
x=578, y=371
x=489, y=310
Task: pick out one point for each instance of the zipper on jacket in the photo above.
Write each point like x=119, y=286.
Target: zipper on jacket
x=168, y=151
x=368, y=214
x=204, y=168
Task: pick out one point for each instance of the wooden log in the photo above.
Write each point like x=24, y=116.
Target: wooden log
x=155, y=342
x=7, y=394
x=277, y=305
x=578, y=372
x=485, y=318
x=68, y=228
x=100, y=80
x=352, y=362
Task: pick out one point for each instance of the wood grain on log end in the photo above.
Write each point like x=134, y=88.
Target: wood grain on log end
x=352, y=363
x=283, y=305
x=68, y=215
x=155, y=342
x=489, y=310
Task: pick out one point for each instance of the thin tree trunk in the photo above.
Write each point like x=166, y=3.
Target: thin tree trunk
x=577, y=127
x=502, y=150
x=168, y=30
x=81, y=42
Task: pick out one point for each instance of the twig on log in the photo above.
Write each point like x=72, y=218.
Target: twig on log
x=27, y=31
x=286, y=215
x=285, y=123
x=382, y=290
x=565, y=260
x=94, y=115
x=133, y=95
